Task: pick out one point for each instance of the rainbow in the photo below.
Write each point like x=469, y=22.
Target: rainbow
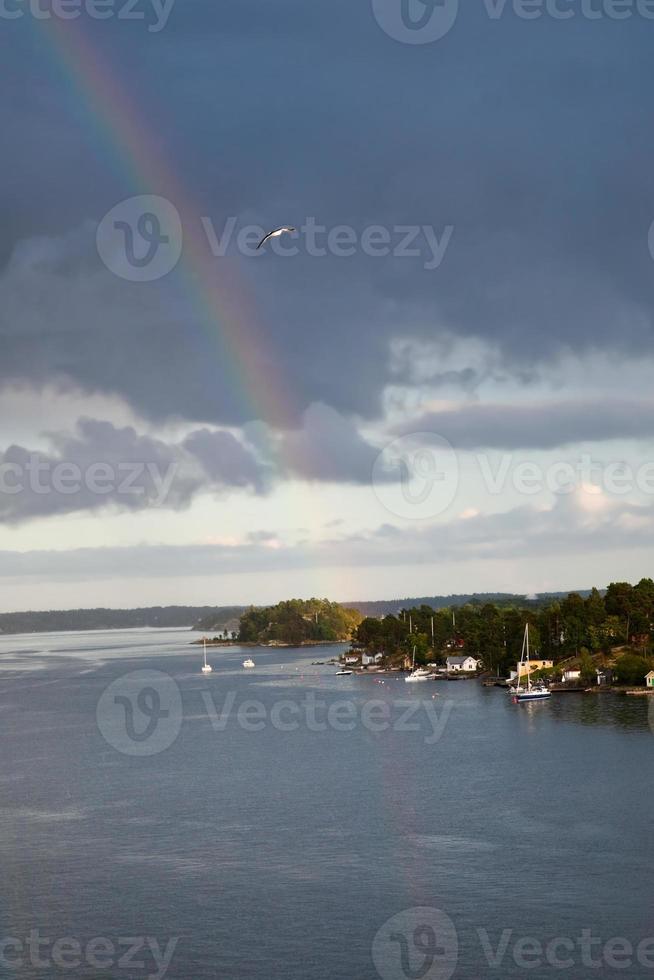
x=222, y=306
x=236, y=337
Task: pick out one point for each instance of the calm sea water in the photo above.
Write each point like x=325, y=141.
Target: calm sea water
x=253, y=834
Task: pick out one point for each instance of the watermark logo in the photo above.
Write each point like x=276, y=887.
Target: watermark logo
x=48, y=956
x=140, y=713
x=140, y=239
x=414, y=480
x=153, y=13
x=564, y=10
x=44, y=477
x=417, y=944
x=416, y=21
x=424, y=716
x=587, y=950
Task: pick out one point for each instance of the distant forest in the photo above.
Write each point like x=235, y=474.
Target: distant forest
x=98, y=619
x=218, y=618
x=385, y=607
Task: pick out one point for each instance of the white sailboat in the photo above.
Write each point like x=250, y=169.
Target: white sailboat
x=533, y=692
x=419, y=674
x=206, y=668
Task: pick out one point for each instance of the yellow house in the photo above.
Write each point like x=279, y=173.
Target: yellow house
x=525, y=669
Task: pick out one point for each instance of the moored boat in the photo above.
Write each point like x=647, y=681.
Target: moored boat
x=532, y=692
x=418, y=674
x=206, y=668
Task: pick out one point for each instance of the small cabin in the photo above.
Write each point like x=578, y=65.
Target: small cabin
x=649, y=679
x=571, y=676
x=467, y=665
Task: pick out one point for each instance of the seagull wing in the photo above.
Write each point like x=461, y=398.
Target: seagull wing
x=265, y=239
x=275, y=233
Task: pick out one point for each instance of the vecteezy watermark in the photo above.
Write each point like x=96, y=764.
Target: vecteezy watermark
x=565, y=952
x=570, y=9
x=426, y=21
x=416, y=944
x=416, y=21
x=314, y=714
x=416, y=481
x=424, y=242
x=140, y=239
x=417, y=476
x=153, y=13
x=141, y=714
x=43, y=477
x=423, y=944
x=134, y=954
x=528, y=478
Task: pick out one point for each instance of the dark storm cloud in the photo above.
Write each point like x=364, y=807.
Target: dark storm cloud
x=540, y=426
x=531, y=138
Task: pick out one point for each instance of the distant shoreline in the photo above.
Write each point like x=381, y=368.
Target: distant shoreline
x=274, y=644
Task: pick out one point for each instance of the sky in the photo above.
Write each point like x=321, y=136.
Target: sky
x=439, y=382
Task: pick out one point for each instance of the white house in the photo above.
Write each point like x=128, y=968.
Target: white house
x=570, y=675
x=370, y=658
x=649, y=679
x=464, y=664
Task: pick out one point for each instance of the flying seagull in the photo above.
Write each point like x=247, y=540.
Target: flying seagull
x=275, y=234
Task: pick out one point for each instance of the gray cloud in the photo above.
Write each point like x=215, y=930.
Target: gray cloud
x=537, y=426
x=227, y=461
x=101, y=466
x=327, y=448
x=568, y=528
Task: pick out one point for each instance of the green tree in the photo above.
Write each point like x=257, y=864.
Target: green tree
x=631, y=669
x=587, y=667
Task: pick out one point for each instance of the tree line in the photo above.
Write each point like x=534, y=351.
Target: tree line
x=575, y=626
